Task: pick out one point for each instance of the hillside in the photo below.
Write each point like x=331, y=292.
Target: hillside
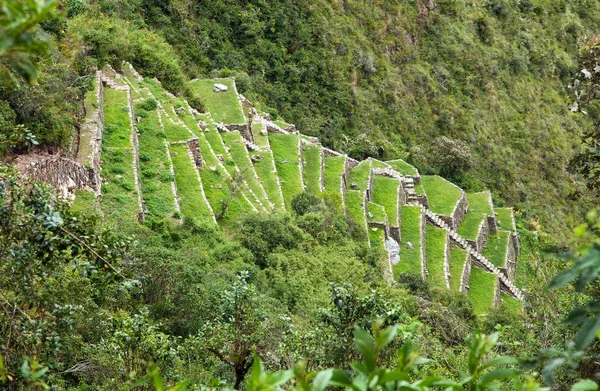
x=299, y=195
x=163, y=159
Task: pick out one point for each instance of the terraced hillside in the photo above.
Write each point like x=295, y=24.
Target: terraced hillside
x=163, y=159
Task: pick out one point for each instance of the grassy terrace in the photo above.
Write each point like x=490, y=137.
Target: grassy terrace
x=436, y=245
x=376, y=237
x=188, y=187
x=360, y=175
x=354, y=205
x=312, y=168
x=239, y=155
x=175, y=132
x=377, y=212
x=224, y=106
x=285, y=152
x=117, y=125
x=281, y=123
x=442, y=195
x=504, y=218
x=495, y=251
x=154, y=165
x=378, y=164
x=334, y=169
x=119, y=196
x=481, y=290
x=410, y=260
x=265, y=168
x=402, y=167
x=215, y=183
x=479, y=207
x=513, y=305
x=385, y=193
x=216, y=142
x=458, y=257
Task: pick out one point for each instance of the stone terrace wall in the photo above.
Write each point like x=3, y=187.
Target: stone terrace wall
x=466, y=275
x=64, y=174
x=460, y=210
x=243, y=129
x=423, y=242
x=510, y=261
x=483, y=235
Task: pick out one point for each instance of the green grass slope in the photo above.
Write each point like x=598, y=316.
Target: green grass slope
x=265, y=167
x=223, y=106
x=311, y=155
x=385, y=193
x=479, y=208
x=481, y=290
x=458, y=258
x=410, y=259
x=442, y=195
x=434, y=257
x=189, y=188
x=285, y=153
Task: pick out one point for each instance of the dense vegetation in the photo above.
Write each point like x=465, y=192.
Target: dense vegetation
x=474, y=91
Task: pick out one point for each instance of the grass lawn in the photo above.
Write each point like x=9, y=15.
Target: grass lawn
x=402, y=167
x=154, y=166
x=265, y=168
x=85, y=202
x=334, y=169
x=376, y=237
x=223, y=106
x=379, y=164
x=495, y=251
x=419, y=189
x=285, y=153
x=239, y=155
x=481, y=290
x=216, y=142
x=513, y=305
x=354, y=205
x=117, y=124
x=312, y=168
x=479, y=208
x=504, y=218
x=281, y=123
x=189, y=188
x=175, y=132
x=436, y=245
x=360, y=175
x=155, y=87
x=259, y=139
x=410, y=260
x=215, y=183
x=119, y=196
x=442, y=195
x=385, y=193
x=378, y=213
x=458, y=257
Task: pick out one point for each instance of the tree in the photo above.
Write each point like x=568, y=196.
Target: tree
x=21, y=35
x=243, y=327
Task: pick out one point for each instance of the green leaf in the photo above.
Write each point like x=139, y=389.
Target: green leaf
x=500, y=360
x=563, y=278
x=386, y=336
x=277, y=378
x=585, y=385
x=587, y=332
x=340, y=378
x=322, y=380
x=498, y=374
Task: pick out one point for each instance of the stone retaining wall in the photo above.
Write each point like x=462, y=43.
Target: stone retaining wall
x=61, y=173
x=194, y=146
x=244, y=130
x=423, y=243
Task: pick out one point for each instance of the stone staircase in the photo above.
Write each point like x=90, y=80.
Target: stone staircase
x=507, y=285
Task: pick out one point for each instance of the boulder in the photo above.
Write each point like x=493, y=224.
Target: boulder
x=218, y=87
